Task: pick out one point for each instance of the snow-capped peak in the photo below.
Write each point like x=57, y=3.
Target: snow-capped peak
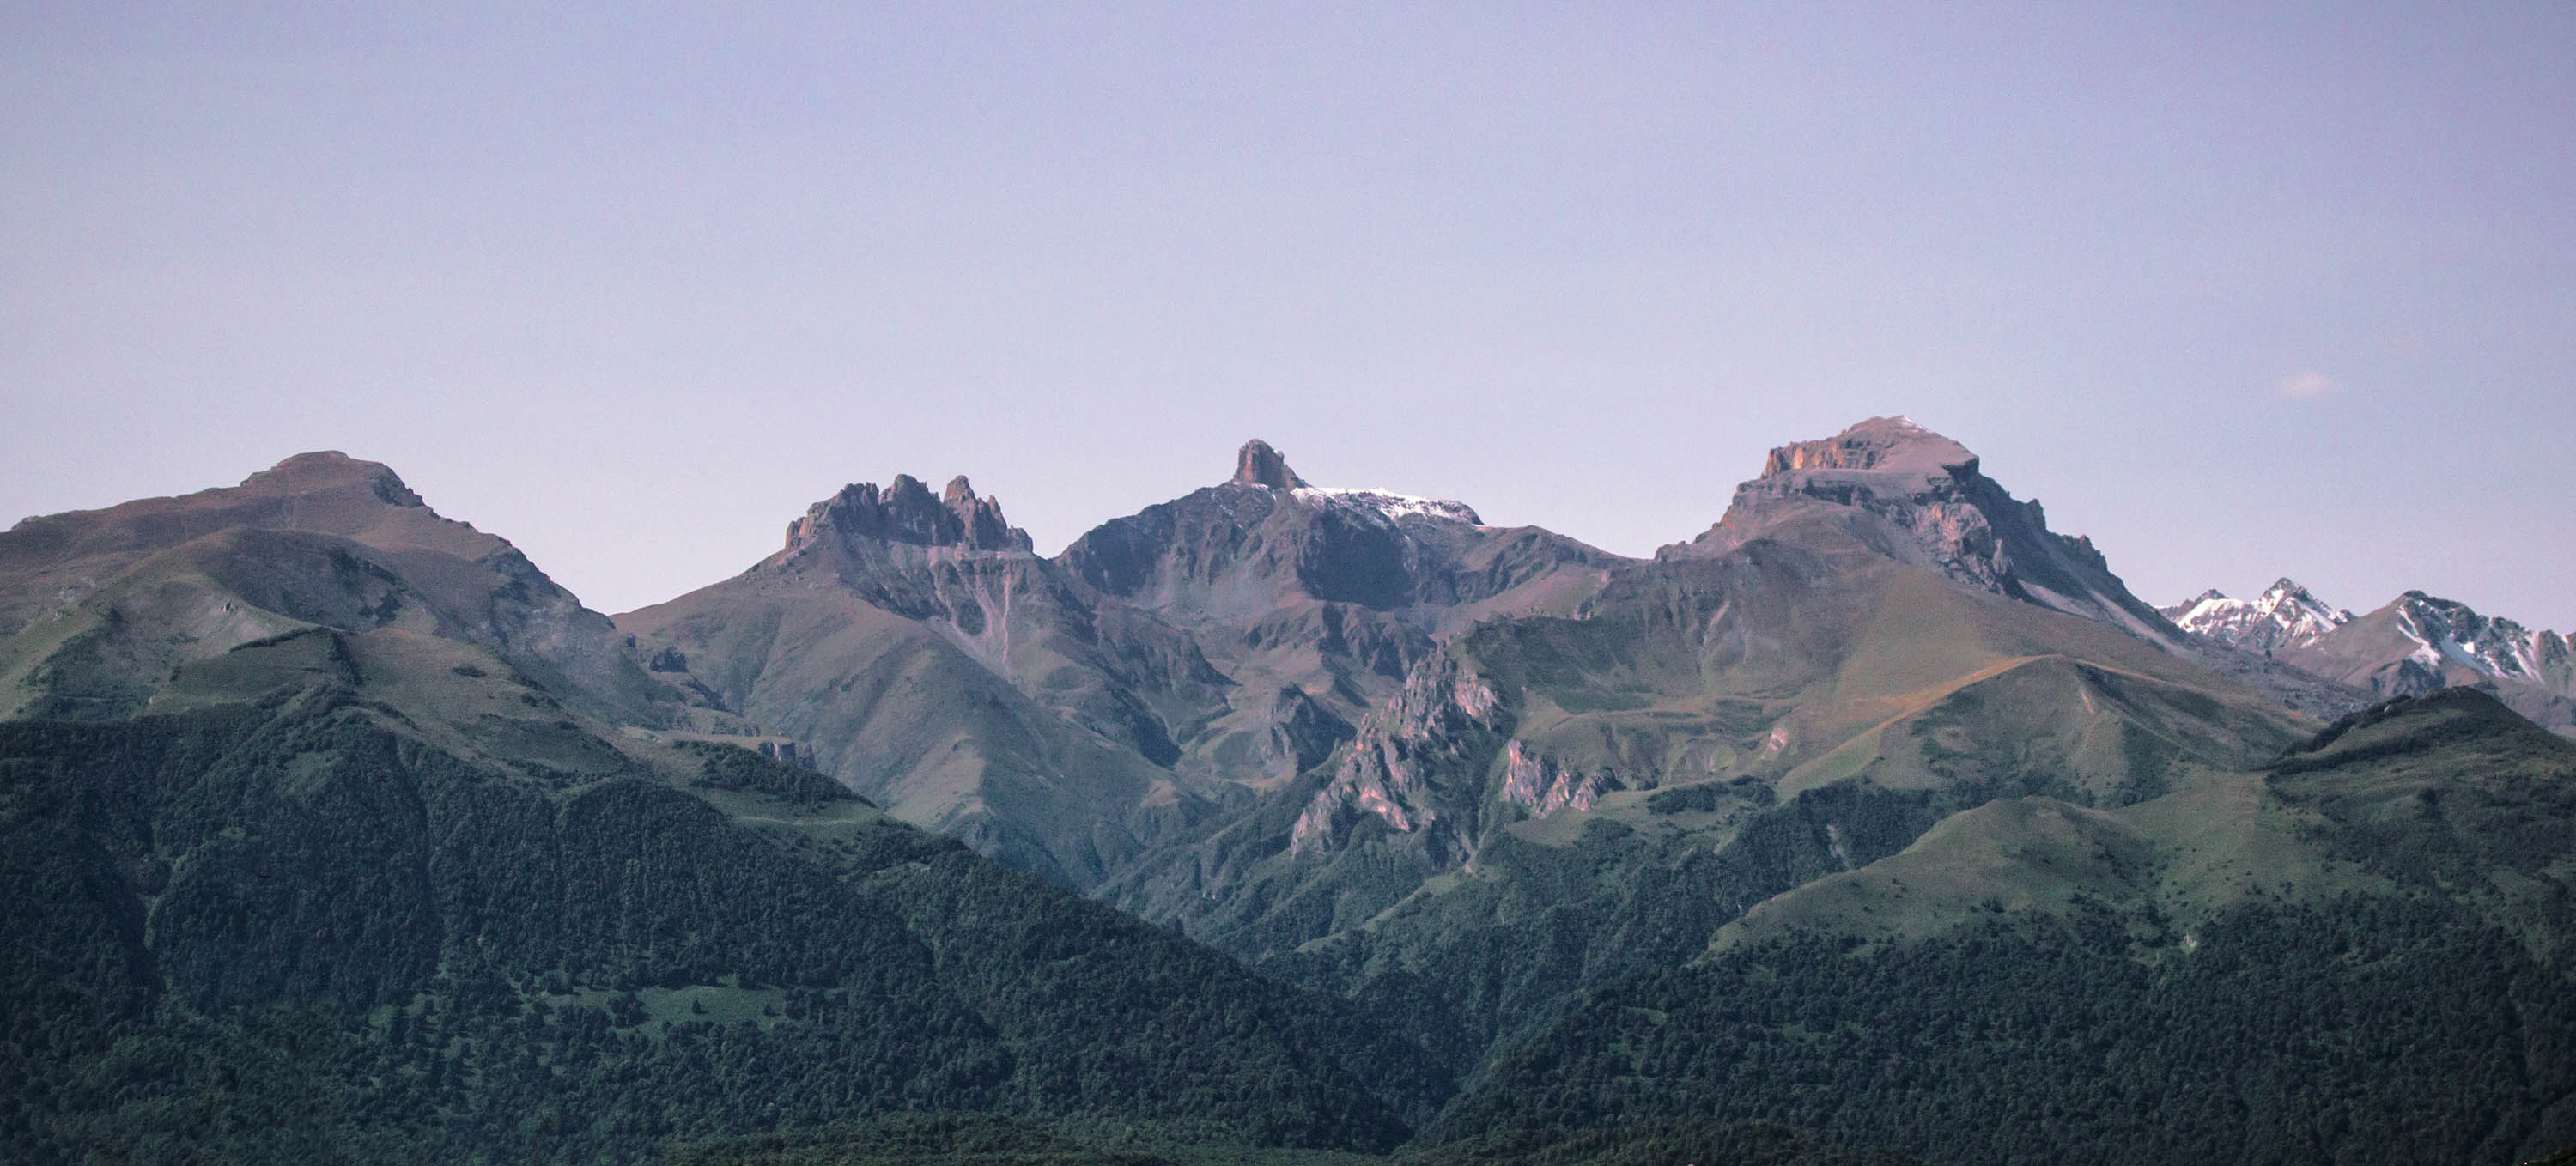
x=2284, y=616
x=1389, y=504
x=2450, y=630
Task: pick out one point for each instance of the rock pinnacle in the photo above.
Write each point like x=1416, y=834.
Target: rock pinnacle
x=1259, y=465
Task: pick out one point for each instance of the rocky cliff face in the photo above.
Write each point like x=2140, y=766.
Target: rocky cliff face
x=1256, y=464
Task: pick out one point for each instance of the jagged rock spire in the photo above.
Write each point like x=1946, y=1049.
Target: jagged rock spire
x=1256, y=464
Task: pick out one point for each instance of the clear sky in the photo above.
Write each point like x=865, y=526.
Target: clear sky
x=2249, y=291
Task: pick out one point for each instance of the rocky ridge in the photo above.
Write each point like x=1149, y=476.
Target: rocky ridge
x=1165, y=665
x=1413, y=766
x=905, y=511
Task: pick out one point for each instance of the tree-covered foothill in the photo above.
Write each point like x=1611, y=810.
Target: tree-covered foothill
x=292, y=931
x=2352, y=1031
x=1465, y=971
x=2409, y=998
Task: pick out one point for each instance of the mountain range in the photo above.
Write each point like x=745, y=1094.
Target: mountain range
x=1274, y=815
x=2413, y=645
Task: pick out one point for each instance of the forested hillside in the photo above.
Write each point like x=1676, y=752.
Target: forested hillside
x=291, y=931
x=2386, y=981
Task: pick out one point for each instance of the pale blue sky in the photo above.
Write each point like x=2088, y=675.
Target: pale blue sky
x=2249, y=291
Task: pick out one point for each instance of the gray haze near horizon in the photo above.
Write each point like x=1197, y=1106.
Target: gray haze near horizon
x=2260, y=290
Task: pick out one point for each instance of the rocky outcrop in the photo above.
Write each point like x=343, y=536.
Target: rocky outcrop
x=1417, y=765
x=1541, y=785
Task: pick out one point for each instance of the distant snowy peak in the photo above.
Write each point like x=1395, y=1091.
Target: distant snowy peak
x=1387, y=504
x=2285, y=616
x=2448, y=631
x=2411, y=646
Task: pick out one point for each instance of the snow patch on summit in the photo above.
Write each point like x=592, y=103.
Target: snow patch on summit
x=1389, y=504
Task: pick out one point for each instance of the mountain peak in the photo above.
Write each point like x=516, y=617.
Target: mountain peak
x=2285, y=616
x=327, y=469
x=1256, y=464
x=905, y=511
x=1880, y=444
x=323, y=492
x=2456, y=620
x=1902, y=490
